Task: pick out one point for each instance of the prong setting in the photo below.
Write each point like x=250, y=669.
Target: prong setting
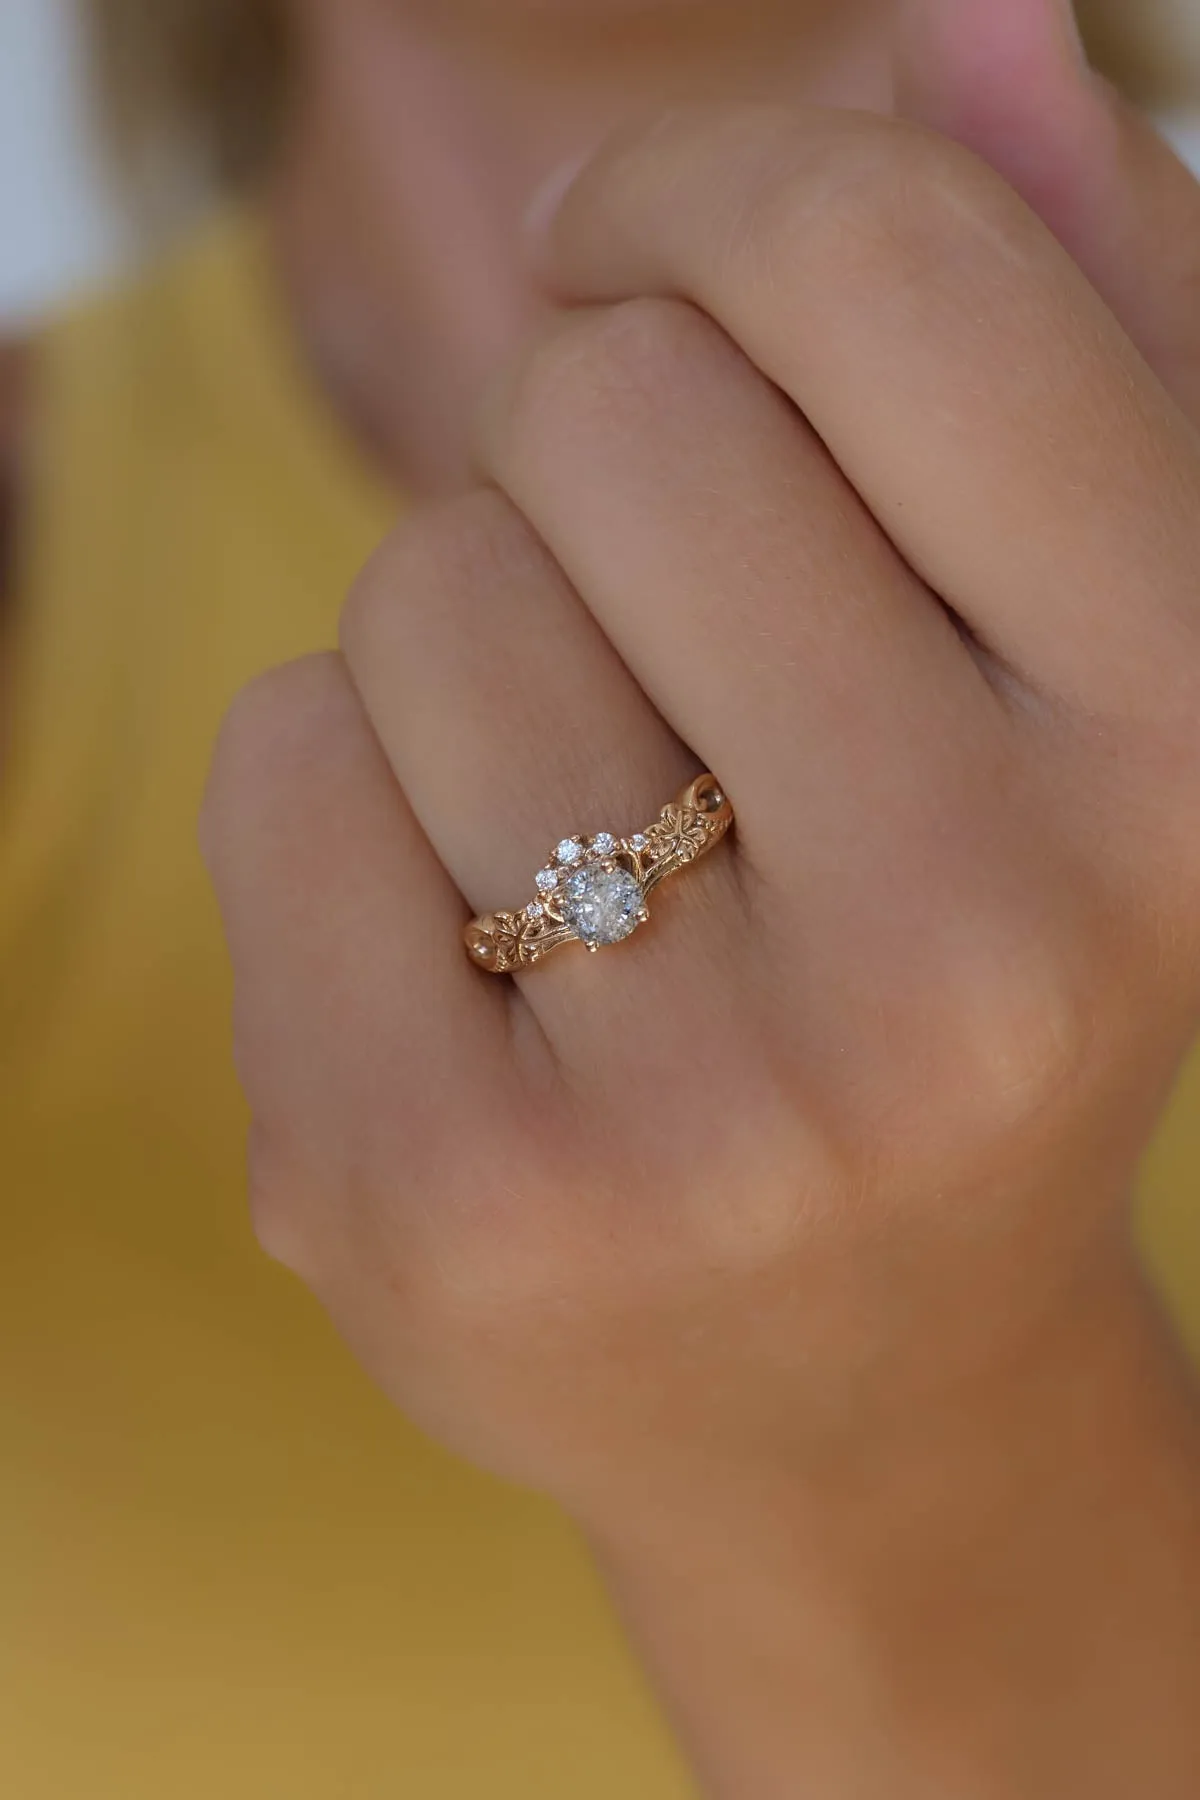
x=594, y=890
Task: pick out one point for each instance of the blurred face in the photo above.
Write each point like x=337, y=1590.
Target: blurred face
x=611, y=23
x=556, y=15
x=662, y=44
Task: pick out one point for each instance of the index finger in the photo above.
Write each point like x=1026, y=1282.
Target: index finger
x=969, y=381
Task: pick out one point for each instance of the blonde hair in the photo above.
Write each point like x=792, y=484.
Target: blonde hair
x=201, y=87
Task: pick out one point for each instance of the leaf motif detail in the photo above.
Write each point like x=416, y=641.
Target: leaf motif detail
x=679, y=836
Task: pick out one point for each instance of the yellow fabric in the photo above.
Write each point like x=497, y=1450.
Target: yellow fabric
x=226, y=1568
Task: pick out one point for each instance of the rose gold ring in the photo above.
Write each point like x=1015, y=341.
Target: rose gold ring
x=593, y=890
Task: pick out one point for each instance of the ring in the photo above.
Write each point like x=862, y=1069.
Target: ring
x=593, y=890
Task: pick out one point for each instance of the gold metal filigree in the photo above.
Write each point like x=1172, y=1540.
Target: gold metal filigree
x=505, y=943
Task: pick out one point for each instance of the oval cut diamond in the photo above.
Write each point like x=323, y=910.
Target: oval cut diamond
x=602, y=906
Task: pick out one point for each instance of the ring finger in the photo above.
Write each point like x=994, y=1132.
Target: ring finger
x=511, y=724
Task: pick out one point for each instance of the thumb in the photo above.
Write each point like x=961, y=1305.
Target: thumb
x=1011, y=82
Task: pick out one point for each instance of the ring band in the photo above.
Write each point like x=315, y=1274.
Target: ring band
x=593, y=890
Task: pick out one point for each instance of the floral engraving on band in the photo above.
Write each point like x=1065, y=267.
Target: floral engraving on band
x=593, y=890
x=505, y=941
x=679, y=836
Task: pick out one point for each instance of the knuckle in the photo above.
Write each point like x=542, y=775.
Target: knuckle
x=390, y=581
x=1023, y=1042
x=876, y=207
x=641, y=334
x=442, y=546
x=1038, y=1051
x=611, y=360
x=278, y=708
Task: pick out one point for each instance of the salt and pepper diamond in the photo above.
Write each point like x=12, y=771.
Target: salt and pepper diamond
x=602, y=903
x=596, y=897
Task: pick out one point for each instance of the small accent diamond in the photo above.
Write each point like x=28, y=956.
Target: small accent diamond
x=638, y=842
x=569, y=851
x=533, y=910
x=545, y=880
x=604, y=842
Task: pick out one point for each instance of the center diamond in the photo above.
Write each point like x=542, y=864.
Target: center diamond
x=601, y=905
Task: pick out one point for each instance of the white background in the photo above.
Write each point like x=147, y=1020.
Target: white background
x=57, y=224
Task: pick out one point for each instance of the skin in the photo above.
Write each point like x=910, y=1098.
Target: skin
x=786, y=1246
x=420, y=136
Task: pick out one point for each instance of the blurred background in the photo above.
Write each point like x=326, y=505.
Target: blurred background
x=59, y=226
x=57, y=223
x=228, y=1567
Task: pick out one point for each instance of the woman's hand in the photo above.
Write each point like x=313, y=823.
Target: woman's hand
x=866, y=1099
x=847, y=486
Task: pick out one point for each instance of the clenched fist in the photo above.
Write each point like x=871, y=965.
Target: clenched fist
x=840, y=480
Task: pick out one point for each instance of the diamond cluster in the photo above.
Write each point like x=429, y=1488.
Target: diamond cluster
x=594, y=889
x=600, y=899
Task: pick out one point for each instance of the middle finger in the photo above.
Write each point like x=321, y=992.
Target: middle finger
x=969, y=382
x=512, y=725
x=745, y=585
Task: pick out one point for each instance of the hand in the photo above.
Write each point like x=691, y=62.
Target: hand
x=849, y=487
x=863, y=1105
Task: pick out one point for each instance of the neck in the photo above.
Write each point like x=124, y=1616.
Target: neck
x=416, y=147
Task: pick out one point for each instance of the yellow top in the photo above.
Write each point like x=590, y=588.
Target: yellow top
x=227, y=1568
